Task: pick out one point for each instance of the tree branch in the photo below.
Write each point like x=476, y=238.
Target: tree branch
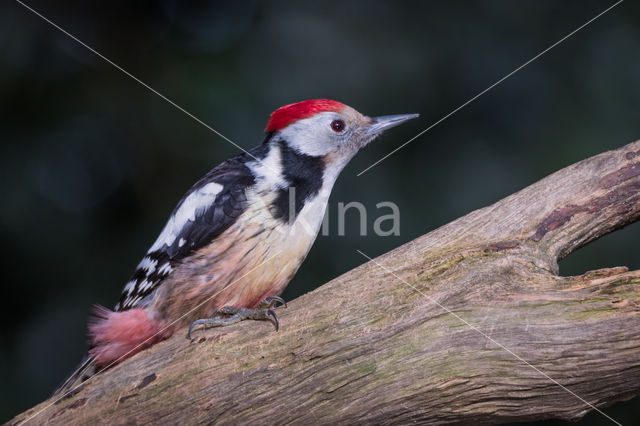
x=488, y=333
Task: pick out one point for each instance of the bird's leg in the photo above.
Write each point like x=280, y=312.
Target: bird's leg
x=232, y=314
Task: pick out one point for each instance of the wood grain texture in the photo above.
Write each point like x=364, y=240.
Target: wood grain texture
x=368, y=348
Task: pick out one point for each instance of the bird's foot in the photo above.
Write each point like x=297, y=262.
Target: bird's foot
x=232, y=314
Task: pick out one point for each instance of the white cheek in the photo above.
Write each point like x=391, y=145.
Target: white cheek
x=312, y=136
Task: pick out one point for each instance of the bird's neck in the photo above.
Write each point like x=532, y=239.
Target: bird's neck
x=290, y=180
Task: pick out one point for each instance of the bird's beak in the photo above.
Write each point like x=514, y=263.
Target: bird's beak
x=380, y=124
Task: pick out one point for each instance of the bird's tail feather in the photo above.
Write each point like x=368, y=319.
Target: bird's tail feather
x=86, y=369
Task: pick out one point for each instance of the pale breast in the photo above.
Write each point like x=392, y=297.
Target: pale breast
x=255, y=258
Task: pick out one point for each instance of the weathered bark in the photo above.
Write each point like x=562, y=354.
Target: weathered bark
x=367, y=347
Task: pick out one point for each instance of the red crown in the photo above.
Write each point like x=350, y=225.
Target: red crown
x=288, y=114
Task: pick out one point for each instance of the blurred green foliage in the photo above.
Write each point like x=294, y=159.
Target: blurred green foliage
x=92, y=163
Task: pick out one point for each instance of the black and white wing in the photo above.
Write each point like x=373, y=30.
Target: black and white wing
x=206, y=210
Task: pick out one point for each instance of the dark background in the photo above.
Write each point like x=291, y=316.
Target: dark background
x=92, y=163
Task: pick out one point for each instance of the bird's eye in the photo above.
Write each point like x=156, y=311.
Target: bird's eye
x=337, y=125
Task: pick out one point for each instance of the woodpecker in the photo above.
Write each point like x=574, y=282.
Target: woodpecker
x=238, y=236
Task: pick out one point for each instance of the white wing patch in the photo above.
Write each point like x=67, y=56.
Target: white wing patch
x=148, y=264
x=133, y=302
x=137, y=289
x=212, y=188
x=198, y=199
x=165, y=269
x=144, y=285
x=204, y=212
x=129, y=287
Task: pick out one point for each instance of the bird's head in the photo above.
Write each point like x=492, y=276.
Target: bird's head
x=329, y=129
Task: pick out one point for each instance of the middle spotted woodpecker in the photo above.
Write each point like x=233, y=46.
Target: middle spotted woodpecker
x=238, y=236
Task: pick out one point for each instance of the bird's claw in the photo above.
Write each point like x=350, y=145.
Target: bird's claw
x=273, y=320
x=271, y=302
x=228, y=315
x=196, y=323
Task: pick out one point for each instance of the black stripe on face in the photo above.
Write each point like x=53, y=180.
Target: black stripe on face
x=303, y=174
